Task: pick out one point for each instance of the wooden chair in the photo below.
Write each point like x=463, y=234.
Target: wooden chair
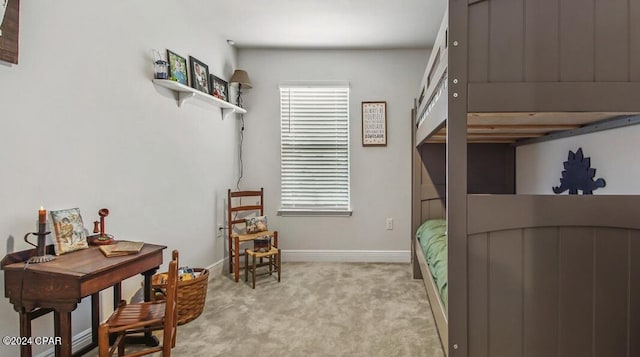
x=274, y=257
x=136, y=317
x=241, y=205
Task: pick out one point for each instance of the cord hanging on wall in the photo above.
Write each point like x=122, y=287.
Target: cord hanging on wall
x=578, y=175
x=240, y=151
x=240, y=79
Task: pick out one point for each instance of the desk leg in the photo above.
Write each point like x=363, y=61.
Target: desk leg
x=62, y=328
x=25, y=331
x=148, y=275
x=95, y=317
x=117, y=295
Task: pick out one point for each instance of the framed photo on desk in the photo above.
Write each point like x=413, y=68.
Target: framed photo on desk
x=69, y=231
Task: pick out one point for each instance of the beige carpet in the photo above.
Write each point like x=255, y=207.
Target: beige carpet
x=318, y=309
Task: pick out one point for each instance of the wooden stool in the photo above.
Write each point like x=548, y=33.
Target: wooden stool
x=274, y=263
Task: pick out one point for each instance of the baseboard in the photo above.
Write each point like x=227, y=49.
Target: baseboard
x=215, y=269
x=350, y=256
x=337, y=256
x=78, y=341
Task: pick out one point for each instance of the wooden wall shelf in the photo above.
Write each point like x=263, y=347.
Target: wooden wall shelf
x=185, y=93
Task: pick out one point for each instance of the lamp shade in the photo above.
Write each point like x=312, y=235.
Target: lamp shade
x=241, y=77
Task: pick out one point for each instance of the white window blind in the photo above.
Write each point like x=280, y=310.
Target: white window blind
x=314, y=148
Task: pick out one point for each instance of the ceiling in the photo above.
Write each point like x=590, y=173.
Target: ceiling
x=359, y=24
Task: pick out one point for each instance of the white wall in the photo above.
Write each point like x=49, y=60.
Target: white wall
x=82, y=125
x=380, y=176
x=613, y=154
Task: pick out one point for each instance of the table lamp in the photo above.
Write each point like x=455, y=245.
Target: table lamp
x=241, y=79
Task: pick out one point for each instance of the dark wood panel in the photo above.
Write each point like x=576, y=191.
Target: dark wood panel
x=505, y=293
x=554, y=97
x=435, y=163
x=540, y=292
x=479, y=42
x=634, y=293
x=489, y=213
x=506, y=34
x=491, y=168
x=577, y=40
x=611, y=292
x=479, y=296
x=634, y=41
x=612, y=40
x=424, y=177
x=541, y=53
x=575, y=328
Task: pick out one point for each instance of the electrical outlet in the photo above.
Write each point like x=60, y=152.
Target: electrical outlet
x=219, y=231
x=389, y=223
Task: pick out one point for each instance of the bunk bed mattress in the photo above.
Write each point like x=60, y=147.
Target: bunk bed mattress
x=432, y=235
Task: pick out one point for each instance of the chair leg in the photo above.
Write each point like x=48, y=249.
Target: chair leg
x=279, y=260
x=230, y=255
x=121, y=346
x=236, y=268
x=253, y=270
x=270, y=264
x=246, y=266
x=103, y=340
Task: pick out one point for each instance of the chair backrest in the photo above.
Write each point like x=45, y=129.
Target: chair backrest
x=236, y=206
x=171, y=307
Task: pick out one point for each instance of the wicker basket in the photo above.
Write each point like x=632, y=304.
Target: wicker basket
x=191, y=294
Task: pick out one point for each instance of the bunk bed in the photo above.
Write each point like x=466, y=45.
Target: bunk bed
x=527, y=275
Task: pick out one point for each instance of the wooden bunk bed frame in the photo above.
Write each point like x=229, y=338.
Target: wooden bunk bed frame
x=528, y=275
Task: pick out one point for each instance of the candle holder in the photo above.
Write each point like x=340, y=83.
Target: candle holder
x=41, y=249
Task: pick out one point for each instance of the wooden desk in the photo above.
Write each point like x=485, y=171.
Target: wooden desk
x=59, y=285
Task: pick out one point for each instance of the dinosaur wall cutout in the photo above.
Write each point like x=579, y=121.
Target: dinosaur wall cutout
x=578, y=175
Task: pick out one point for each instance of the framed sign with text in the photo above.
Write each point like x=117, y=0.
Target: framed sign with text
x=374, y=123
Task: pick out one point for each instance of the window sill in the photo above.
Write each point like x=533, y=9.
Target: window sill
x=312, y=213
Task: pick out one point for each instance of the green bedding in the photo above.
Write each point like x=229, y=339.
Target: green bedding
x=432, y=235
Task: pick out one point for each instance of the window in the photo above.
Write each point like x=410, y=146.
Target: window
x=314, y=133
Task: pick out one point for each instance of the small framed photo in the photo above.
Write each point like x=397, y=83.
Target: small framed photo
x=374, y=123
x=177, y=68
x=219, y=88
x=69, y=231
x=199, y=75
x=9, y=23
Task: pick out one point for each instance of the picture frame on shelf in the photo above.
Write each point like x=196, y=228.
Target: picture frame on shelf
x=9, y=24
x=374, y=123
x=177, y=68
x=219, y=88
x=199, y=75
x=69, y=231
